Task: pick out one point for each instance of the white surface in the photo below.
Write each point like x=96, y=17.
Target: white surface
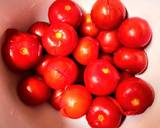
x=20, y=14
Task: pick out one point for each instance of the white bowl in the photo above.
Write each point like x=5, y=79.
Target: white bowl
x=13, y=113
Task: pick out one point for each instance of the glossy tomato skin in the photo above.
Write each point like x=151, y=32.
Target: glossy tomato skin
x=39, y=28
x=21, y=51
x=87, y=27
x=107, y=57
x=33, y=91
x=40, y=69
x=108, y=14
x=135, y=32
x=134, y=95
x=76, y=101
x=60, y=39
x=87, y=50
x=104, y=112
x=65, y=11
x=133, y=61
x=101, y=77
x=108, y=41
x=60, y=72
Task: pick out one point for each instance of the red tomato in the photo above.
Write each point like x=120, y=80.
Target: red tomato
x=60, y=39
x=33, y=91
x=134, y=95
x=131, y=60
x=75, y=101
x=86, y=50
x=108, y=14
x=107, y=57
x=101, y=78
x=108, y=41
x=104, y=112
x=40, y=69
x=21, y=51
x=60, y=72
x=39, y=28
x=87, y=27
x=134, y=33
x=65, y=11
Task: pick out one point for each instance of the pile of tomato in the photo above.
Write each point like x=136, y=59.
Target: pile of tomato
x=84, y=64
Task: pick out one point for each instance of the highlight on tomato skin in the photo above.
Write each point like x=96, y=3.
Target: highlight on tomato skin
x=65, y=11
x=75, y=101
x=104, y=112
x=101, y=77
x=134, y=95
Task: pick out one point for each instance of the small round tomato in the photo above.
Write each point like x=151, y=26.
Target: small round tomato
x=40, y=69
x=135, y=33
x=101, y=78
x=21, y=51
x=65, y=11
x=60, y=39
x=131, y=60
x=75, y=101
x=107, y=57
x=33, y=91
x=104, y=112
x=134, y=95
x=39, y=28
x=108, y=41
x=60, y=72
x=87, y=27
x=86, y=51
x=108, y=14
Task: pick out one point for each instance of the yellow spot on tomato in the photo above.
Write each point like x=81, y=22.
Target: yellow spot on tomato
x=88, y=19
x=24, y=51
x=58, y=35
x=105, y=70
x=67, y=7
x=135, y=102
x=100, y=117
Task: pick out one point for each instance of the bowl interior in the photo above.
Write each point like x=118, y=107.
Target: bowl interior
x=22, y=13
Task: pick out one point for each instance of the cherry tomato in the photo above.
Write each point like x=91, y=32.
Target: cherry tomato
x=108, y=14
x=108, y=41
x=39, y=28
x=134, y=95
x=86, y=50
x=33, y=90
x=134, y=32
x=65, y=11
x=60, y=72
x=131, y=60
x=104, y=112
x=87, y=27
x=101, y=78
x=107, y=57
x=21, y=51
x=40, y=69
x=60, y=39
x=75, y=101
